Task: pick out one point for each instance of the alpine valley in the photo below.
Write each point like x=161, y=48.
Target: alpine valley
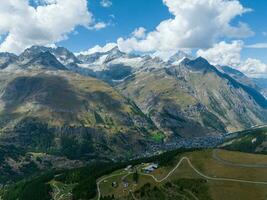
x=68, y=119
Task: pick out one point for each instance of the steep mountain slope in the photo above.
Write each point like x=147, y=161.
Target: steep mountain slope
x=194, y=98
x=65, y=116
x=259, y=84
x=44, y=60
x=72, y=103
x=34, y=58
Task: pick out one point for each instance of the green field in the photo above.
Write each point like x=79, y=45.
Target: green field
x=185, y=183
x=186, y=175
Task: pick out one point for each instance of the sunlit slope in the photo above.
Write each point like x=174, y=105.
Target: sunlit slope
x=50, y=110
x=194, y=98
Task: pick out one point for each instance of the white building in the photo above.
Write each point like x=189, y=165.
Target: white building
x=150, y=168
x=129, y=167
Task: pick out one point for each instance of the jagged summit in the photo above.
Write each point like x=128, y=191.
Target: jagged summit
x=101, y=57
x=178, y=57
x=200, y=64
x=6, y=58
x=64, y=55
x=44, y=60
x=113, y=54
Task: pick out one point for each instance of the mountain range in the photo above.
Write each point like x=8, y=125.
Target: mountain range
x=113, y=105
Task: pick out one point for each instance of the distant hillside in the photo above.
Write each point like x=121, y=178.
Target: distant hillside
x=250, y=141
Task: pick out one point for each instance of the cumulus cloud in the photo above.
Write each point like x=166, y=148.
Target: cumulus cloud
x=47, y=23
x=223, y=53
x=195, y=24
x=106, y=3
x=99, y=49
x=254, y=68
x=229, y=54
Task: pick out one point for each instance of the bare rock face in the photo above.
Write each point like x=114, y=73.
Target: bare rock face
x=6, y=59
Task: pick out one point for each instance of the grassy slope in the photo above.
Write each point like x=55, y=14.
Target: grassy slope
x=61, y=95
x=67, y=98
x=210, y=189
x=183, y=183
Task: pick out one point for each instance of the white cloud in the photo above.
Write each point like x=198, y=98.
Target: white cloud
x=257, y=46
x=106, y=3
x=254, y=68
x=196, y=24
x=98, y=26
x=139, y=33
x=229, y=54
x=48, y=23
x=223, y=53
x=98, y=48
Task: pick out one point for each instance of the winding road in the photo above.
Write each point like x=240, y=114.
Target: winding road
x=57, y=192
x=173, y=170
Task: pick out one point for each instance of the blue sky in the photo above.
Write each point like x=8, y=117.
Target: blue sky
x=130, y=14
x=257, y=19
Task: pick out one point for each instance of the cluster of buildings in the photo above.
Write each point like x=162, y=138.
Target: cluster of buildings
x=188, y=143
x=124, y=183
x=149, y=168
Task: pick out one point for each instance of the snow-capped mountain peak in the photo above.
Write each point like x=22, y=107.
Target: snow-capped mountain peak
x=178, y=57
